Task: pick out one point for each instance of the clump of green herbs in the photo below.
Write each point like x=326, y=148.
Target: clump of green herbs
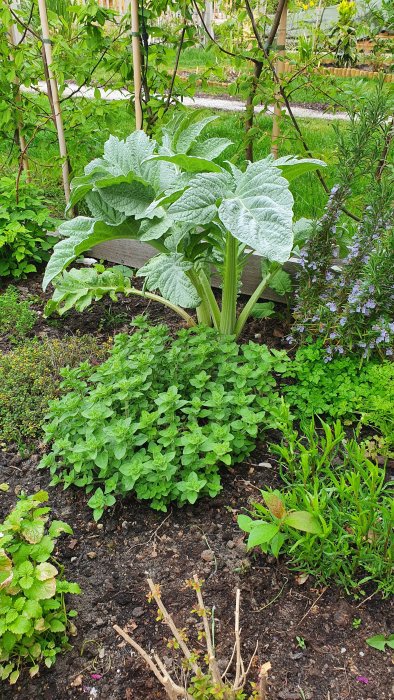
x=346, y=499
x=16, y=317
x=343, y=388
x=24, y=225
x=29, y=379
x=161, y=416
x=34, y=621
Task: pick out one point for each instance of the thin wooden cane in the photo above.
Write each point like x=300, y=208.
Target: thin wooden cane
x=136, y=45
x=55, y=97
x=280, y=68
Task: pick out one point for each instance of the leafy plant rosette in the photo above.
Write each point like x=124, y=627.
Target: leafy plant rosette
x=161, y=416
x=197, y=214
x=24, y=224
x=275, y=521
x=34, y=621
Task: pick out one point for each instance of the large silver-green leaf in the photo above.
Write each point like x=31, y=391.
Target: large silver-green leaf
x=198, y=204
x=152, y=229
x=186, y=137
x=168, y=274
x=99, y=209
x=210, y=148
x=80, y=235
x=260, y=212
x=131, y=199
x=293, y=166
x=129, y=155
x=190, y=164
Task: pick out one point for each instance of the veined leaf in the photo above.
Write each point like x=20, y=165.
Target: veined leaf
x=99, y=209
x=79, y=287
x=293, y=166
x=198, y=204
x=260, y=212
x=210, y=148
x=152, y=229
x=168, y=274
x=131, y=199
x=81, y=234
x=305, y=521
x=185, y=137
x=262, y=533
x=190, y=164
x=128, y=156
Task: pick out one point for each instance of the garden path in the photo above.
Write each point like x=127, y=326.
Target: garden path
x=219, y=103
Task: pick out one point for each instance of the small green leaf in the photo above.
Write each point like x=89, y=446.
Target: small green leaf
x=305, y=521
x=261, y=534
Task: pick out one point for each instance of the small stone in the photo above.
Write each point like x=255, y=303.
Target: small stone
x=92, y=555
x=207, y=555
x=137, y=612
x=343, y=650
x=73, y=559
x=100, y=622
x=230, y=544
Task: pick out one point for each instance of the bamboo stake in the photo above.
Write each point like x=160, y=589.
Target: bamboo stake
x=55, y=97
x=136, y=45
x=280, y=68
x=15, y=37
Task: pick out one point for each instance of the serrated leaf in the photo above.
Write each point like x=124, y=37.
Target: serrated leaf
x=33, y=530
x=152, y=229
x=190, y=164
x=185, y=137
x=99, y=209
x=260, y=212
x=304, y=521
x=198, y=204
x=6, y=574
x=42, y=590
x=56, y=626
x=293, y=166
x=131, y=199
x=128, y=156
x=81, y=234
x=168, y=274
x=261, y=534
x=45, y=571
x=57, y=527
x=79, y=287
x=281, y=282
x=210, y=148
x=263, y=310
x=21, y=626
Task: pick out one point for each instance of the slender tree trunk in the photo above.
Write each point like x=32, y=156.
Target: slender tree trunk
x=15, y=38
x=279, y=69
x=249, y=112
x=55, y=97
x=208, y=19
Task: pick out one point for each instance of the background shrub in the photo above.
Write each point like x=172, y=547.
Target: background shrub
x=23, y=229
x=29, y=378
x=16, y=317
x=160, y=416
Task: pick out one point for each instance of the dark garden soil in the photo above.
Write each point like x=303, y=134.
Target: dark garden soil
x=303, y=629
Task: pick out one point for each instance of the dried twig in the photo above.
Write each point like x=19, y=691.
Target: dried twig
x=226, y=689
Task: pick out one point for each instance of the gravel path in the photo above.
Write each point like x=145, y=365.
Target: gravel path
x=215, y=103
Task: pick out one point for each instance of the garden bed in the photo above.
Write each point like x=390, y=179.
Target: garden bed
x=309, y=634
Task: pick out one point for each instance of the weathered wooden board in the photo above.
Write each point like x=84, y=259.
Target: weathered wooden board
x=135, y=254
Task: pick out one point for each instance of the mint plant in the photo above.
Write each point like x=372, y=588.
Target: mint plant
x=34, y=621
x=161, y=416
x=196, y=213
